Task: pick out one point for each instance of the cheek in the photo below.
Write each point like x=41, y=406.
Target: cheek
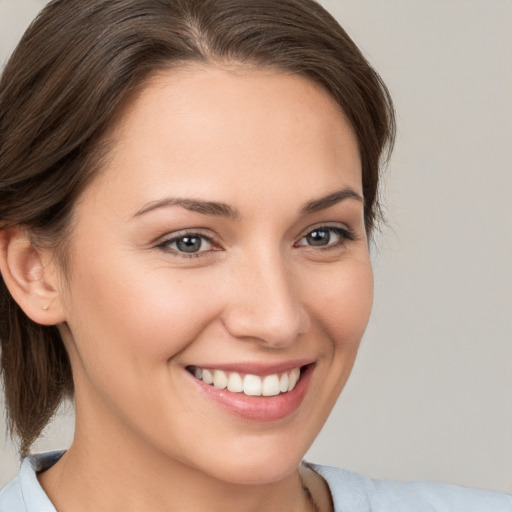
x=136, y=314
x=343, y=305
x=339, y=310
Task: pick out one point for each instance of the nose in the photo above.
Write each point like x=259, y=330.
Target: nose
x=265, y=304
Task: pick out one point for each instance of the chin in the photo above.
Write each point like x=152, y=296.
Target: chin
x=260, y=462
x=262, y=472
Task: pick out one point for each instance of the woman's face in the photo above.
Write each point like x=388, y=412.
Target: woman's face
x=223, y=239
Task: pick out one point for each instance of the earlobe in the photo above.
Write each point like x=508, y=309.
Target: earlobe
x=30, y=278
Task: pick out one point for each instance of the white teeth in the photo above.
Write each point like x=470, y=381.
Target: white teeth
x=293, y=378
x=251, y=385
x=220, y=379
x=270, y=386
x=283, y=383
x=235, y=383
x=207, y=377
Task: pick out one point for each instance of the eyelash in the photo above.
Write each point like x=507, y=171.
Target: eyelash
x=164, y=245
x=345, y=234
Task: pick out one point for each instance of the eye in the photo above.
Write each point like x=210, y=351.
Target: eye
x=187, y=244
x=326, y=237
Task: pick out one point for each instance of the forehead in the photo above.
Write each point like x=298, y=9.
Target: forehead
x=203, y=130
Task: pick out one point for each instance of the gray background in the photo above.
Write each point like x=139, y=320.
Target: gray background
x=430, y=395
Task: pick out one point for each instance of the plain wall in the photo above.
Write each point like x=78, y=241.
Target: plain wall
x=430, y=396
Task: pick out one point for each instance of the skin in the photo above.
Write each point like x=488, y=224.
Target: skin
x=136, y=314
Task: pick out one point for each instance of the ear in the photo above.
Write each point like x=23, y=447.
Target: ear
x=31, y=277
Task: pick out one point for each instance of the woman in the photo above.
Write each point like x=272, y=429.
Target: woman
x=187, y=192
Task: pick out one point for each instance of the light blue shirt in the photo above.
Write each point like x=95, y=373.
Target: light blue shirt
x=350, y=492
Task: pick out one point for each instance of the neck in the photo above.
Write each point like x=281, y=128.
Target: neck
x=115, y=474
x=73, y=484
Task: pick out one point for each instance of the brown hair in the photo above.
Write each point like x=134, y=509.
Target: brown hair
x=64, y=84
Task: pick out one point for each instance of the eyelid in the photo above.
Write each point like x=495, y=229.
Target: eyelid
x=342, y=230
x=326, y=226
x=164, y=242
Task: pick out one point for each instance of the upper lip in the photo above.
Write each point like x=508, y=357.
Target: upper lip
x=256, y=368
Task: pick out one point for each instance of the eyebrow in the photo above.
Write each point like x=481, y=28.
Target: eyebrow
x=193, y=205
x=331, y=200
x=225, y=210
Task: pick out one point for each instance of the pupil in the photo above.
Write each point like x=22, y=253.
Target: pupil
x=189, y=244
x=318, y=237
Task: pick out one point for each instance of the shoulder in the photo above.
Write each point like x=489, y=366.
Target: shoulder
x=11, y=498
x=352, y=492
x=24, y=493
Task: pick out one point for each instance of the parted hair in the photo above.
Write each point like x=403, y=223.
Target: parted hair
x=61, y=90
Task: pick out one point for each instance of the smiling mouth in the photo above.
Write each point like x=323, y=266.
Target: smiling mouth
x=248, y=384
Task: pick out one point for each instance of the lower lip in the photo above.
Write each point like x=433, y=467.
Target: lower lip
x=259, y=408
